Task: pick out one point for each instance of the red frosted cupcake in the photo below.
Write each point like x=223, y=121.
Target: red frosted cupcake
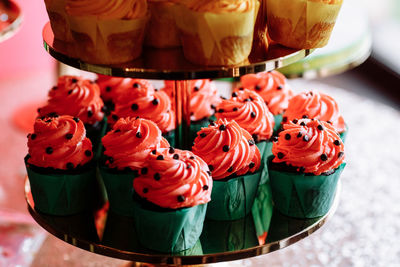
x=234, y=160
x=272, y=86
x=127, y=147
x=58, y=165
x=175, y=190
x=145, y=102
x=315, y=105
x=308, y=158
x=80, y=98
x=110, y=89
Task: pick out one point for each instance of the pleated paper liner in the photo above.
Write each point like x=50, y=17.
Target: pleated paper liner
x=119, y=187
x=303, y=196
x=233, y=199
x=64, y=194
x=262, y=211
x=224, y=236
x=265, y=148
x=278, y=121
x=168, y=231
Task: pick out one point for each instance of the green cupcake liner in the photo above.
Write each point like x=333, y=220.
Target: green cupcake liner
x=233, y=199
x=300, y=196
x=197, y=249
x=170, y=136
x=222, y=236
x=63, y=194
x=169, y=231
x=265, y=148
x=95, y=133
x=278, y=121
x=262, y=209
x=119, y=187
x=343, y=135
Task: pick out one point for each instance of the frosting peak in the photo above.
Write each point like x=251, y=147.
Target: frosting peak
x=221, y=6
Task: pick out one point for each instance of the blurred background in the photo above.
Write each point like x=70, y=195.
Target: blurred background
x=365, y=228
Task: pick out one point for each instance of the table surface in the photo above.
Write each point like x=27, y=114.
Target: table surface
x=363, y=232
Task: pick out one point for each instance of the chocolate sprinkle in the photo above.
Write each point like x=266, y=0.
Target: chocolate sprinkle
x=76, y=119
x=255, y=137
x=88, y=153
x=175, y=156
x=155, y=102
x=181, y=198
x=225, y=148
x=253, y=114
x=212, y=106
x=108, y=88
x=280, y=155
x=188, y=166
x=274, y=138
x=160, y=157
x=209, y=173
x=251, y=165
x=54, y=88
x=117, y=131
x=70, y=91
x=211, y=167
x=305, y=117
x=284, y=119
x=203, y=134
x=205, y=187
x=221, y=110
x=303, y=123
x=230, y=169
x=136, y=85
x=70, y=165
x=134, y=107
x=288, y=136
x=234, y=94
x=306, y=138
x=257, y=87
x=139, y=135
x=157, y=176
x=33, y=136
x=145, y=190
x=144, y=171
x=340, y=154
x=299, y=135
x=192, y=157
x=114, y=117
x=49, y=150
x=171, y=150
x=154, y=152
x=241, y=88
x=295, y=121
x=74, y=80
x=320, y=127
x=251, y=142
x=279, y=87
x=324, y=157
x=235, y=109
x=90, y=113
x=247, y=100
x=222, y=127
x=196, y=88
x=336, y=143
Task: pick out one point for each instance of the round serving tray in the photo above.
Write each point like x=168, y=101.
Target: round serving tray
x=264, y=230
x=170, y=64
x=10, y=19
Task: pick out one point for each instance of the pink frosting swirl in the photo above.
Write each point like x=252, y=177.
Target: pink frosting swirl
x=108, y=9
x=272, y=87
x=59, y=143
x=130, y=142
x=311, y=145
x=111, y=87
x=248, y=109
x=77, y=97
x=227, y=149
x=315, y=105
x=174, y=179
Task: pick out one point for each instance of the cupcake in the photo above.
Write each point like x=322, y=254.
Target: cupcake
x=215, y=32
x=108, y=32
x=316, y=105
x=80, y=98
x=302, y=24
x=126, y=148
x=58, y=19
x=110, y=89
x=171, y=199
x=272, y=86
x=307, y=160
x=142, y=100
x=248, y=109
x=234, y=162
x=203, y=100
x=161, y=31
x=61, y=173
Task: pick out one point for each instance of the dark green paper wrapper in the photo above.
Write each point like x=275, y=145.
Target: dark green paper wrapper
x=262, y=209
x=233, y=199
x=169, y=231
x=278, y=121
x=300, y=196
x=265, y=148
x=119, y=187
x=344, y=135
x=63, y=194
x=170, y=136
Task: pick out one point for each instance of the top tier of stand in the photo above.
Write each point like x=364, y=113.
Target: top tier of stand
x=170, y=64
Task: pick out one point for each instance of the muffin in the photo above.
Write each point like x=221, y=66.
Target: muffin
x=316, y=105
x=61, y=172
x=107, y=32
x=126, y=148
x=161, y=31
x=248, y=109
x=58, y=19
x=234, y=162
x=307, y=160
x=80, y=98
x=272, y=86
x=142, y=100
x=302, y=24
x=174, y=190
x=215, y=32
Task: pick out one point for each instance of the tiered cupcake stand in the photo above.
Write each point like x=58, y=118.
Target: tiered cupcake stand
x=11, y=16
x=264, y=230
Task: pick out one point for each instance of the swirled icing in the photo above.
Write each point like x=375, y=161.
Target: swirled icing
x=130, y=141
x=227, y=148
x=248, y=109
x=221, y=6
x=312, y=145
x=111, y=87
x=315, y=105
x=74, y=96
x=174, y=179
x=272, y=87
x=108, y=9
x=59, y=143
